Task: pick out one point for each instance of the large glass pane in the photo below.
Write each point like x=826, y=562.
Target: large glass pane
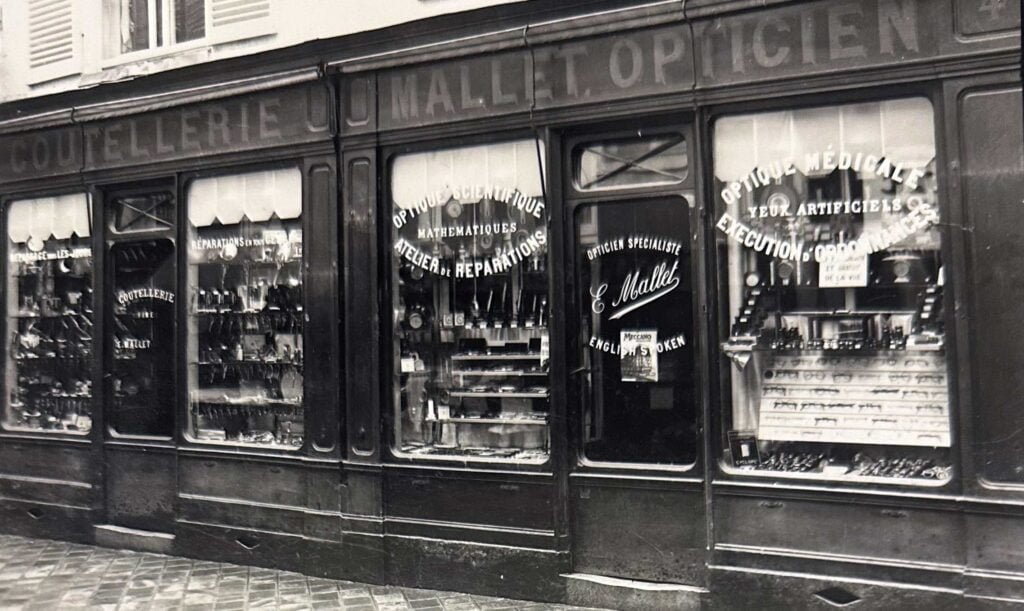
x=636, y=333
x=245, y=342
x=830, y=259
x=48, y=372
x=470, y=298
x=142, y=318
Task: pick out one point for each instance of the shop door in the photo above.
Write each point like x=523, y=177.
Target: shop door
x=140, y=365
x=636, y=490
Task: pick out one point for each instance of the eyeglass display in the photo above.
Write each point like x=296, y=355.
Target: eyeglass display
x=48, y=372
x=471, y=306
x=830, y=255
x=245, y=342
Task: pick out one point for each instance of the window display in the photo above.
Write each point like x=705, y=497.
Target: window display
x=470, y=285
x=830, y=256
x=48, y=373
x=245, y=342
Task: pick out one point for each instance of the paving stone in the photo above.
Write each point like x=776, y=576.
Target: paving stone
x=45, y=575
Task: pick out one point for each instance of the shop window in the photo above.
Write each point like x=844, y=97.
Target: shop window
x=832, y=283
x=469, y=273
x=630, y=162
x=245, y=336
x=48, y=373
x=636, y=332
x=134, y=26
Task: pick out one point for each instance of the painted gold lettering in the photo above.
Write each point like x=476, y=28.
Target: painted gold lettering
x=438, y=93
x=762, y=55
x=134, y=150
x=268, y=118
x=162, y=148
x=538, y=85
x=18, y=150
x=189, y=131
x=897, y=17
x=615, y=63
x=40, y=154
x=499, y=98
x=668, y=48
x=808, y=51
x=403, y=97
x=111, y=152
x=569, y=53
x=466, y=99
x=217, y=122
x=736, y=44
x=65, y=148
x=90, y=134
x=842, y=34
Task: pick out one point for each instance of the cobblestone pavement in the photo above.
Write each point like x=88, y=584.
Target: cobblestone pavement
x=41, y=574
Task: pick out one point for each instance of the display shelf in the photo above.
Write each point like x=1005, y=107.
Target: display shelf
x=502, y=374
x=482, y=420
x=500, y=395
x=496, y=357
x=844, y=477
x=253, y=403
x=245, y=363
x=60, y=316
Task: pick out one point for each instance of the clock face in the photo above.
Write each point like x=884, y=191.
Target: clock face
x=416, y=320
x=454, y=209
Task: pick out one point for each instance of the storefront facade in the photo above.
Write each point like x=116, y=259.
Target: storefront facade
x=716, y=299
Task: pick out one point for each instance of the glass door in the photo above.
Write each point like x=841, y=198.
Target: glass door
x=140, y=364
x=634, y=360
x=636, y=334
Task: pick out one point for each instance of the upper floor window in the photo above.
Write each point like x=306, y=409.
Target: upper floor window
x=137, y=26
x=147, y=24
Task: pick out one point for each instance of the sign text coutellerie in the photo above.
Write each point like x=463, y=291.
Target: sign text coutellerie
x=235, y=124
x=805, y=39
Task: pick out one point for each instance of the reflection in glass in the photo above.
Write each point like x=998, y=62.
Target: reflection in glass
x=48, y=373
x=636, y=335
x=142, y=319
x=631, y=162
x=149, y=212
x=245, y=343
x=827, y=233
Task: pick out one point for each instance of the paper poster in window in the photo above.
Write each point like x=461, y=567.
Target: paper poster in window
x=639, y=357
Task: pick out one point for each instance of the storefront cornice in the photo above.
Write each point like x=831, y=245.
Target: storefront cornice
x=519, y=37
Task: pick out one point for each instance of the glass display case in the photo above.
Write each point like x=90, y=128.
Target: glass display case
x=246, y=316
x=830, y=250
x=471, y=309
x=48, y=370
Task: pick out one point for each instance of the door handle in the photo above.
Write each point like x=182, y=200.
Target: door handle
x=580, y=370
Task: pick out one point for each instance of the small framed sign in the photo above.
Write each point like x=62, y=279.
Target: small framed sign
x=743, y=445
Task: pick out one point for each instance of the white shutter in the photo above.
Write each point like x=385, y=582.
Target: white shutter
x=228, y=20
x=54, y=39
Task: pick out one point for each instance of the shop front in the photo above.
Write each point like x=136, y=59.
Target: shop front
x=637, y=307
x=158, y=322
